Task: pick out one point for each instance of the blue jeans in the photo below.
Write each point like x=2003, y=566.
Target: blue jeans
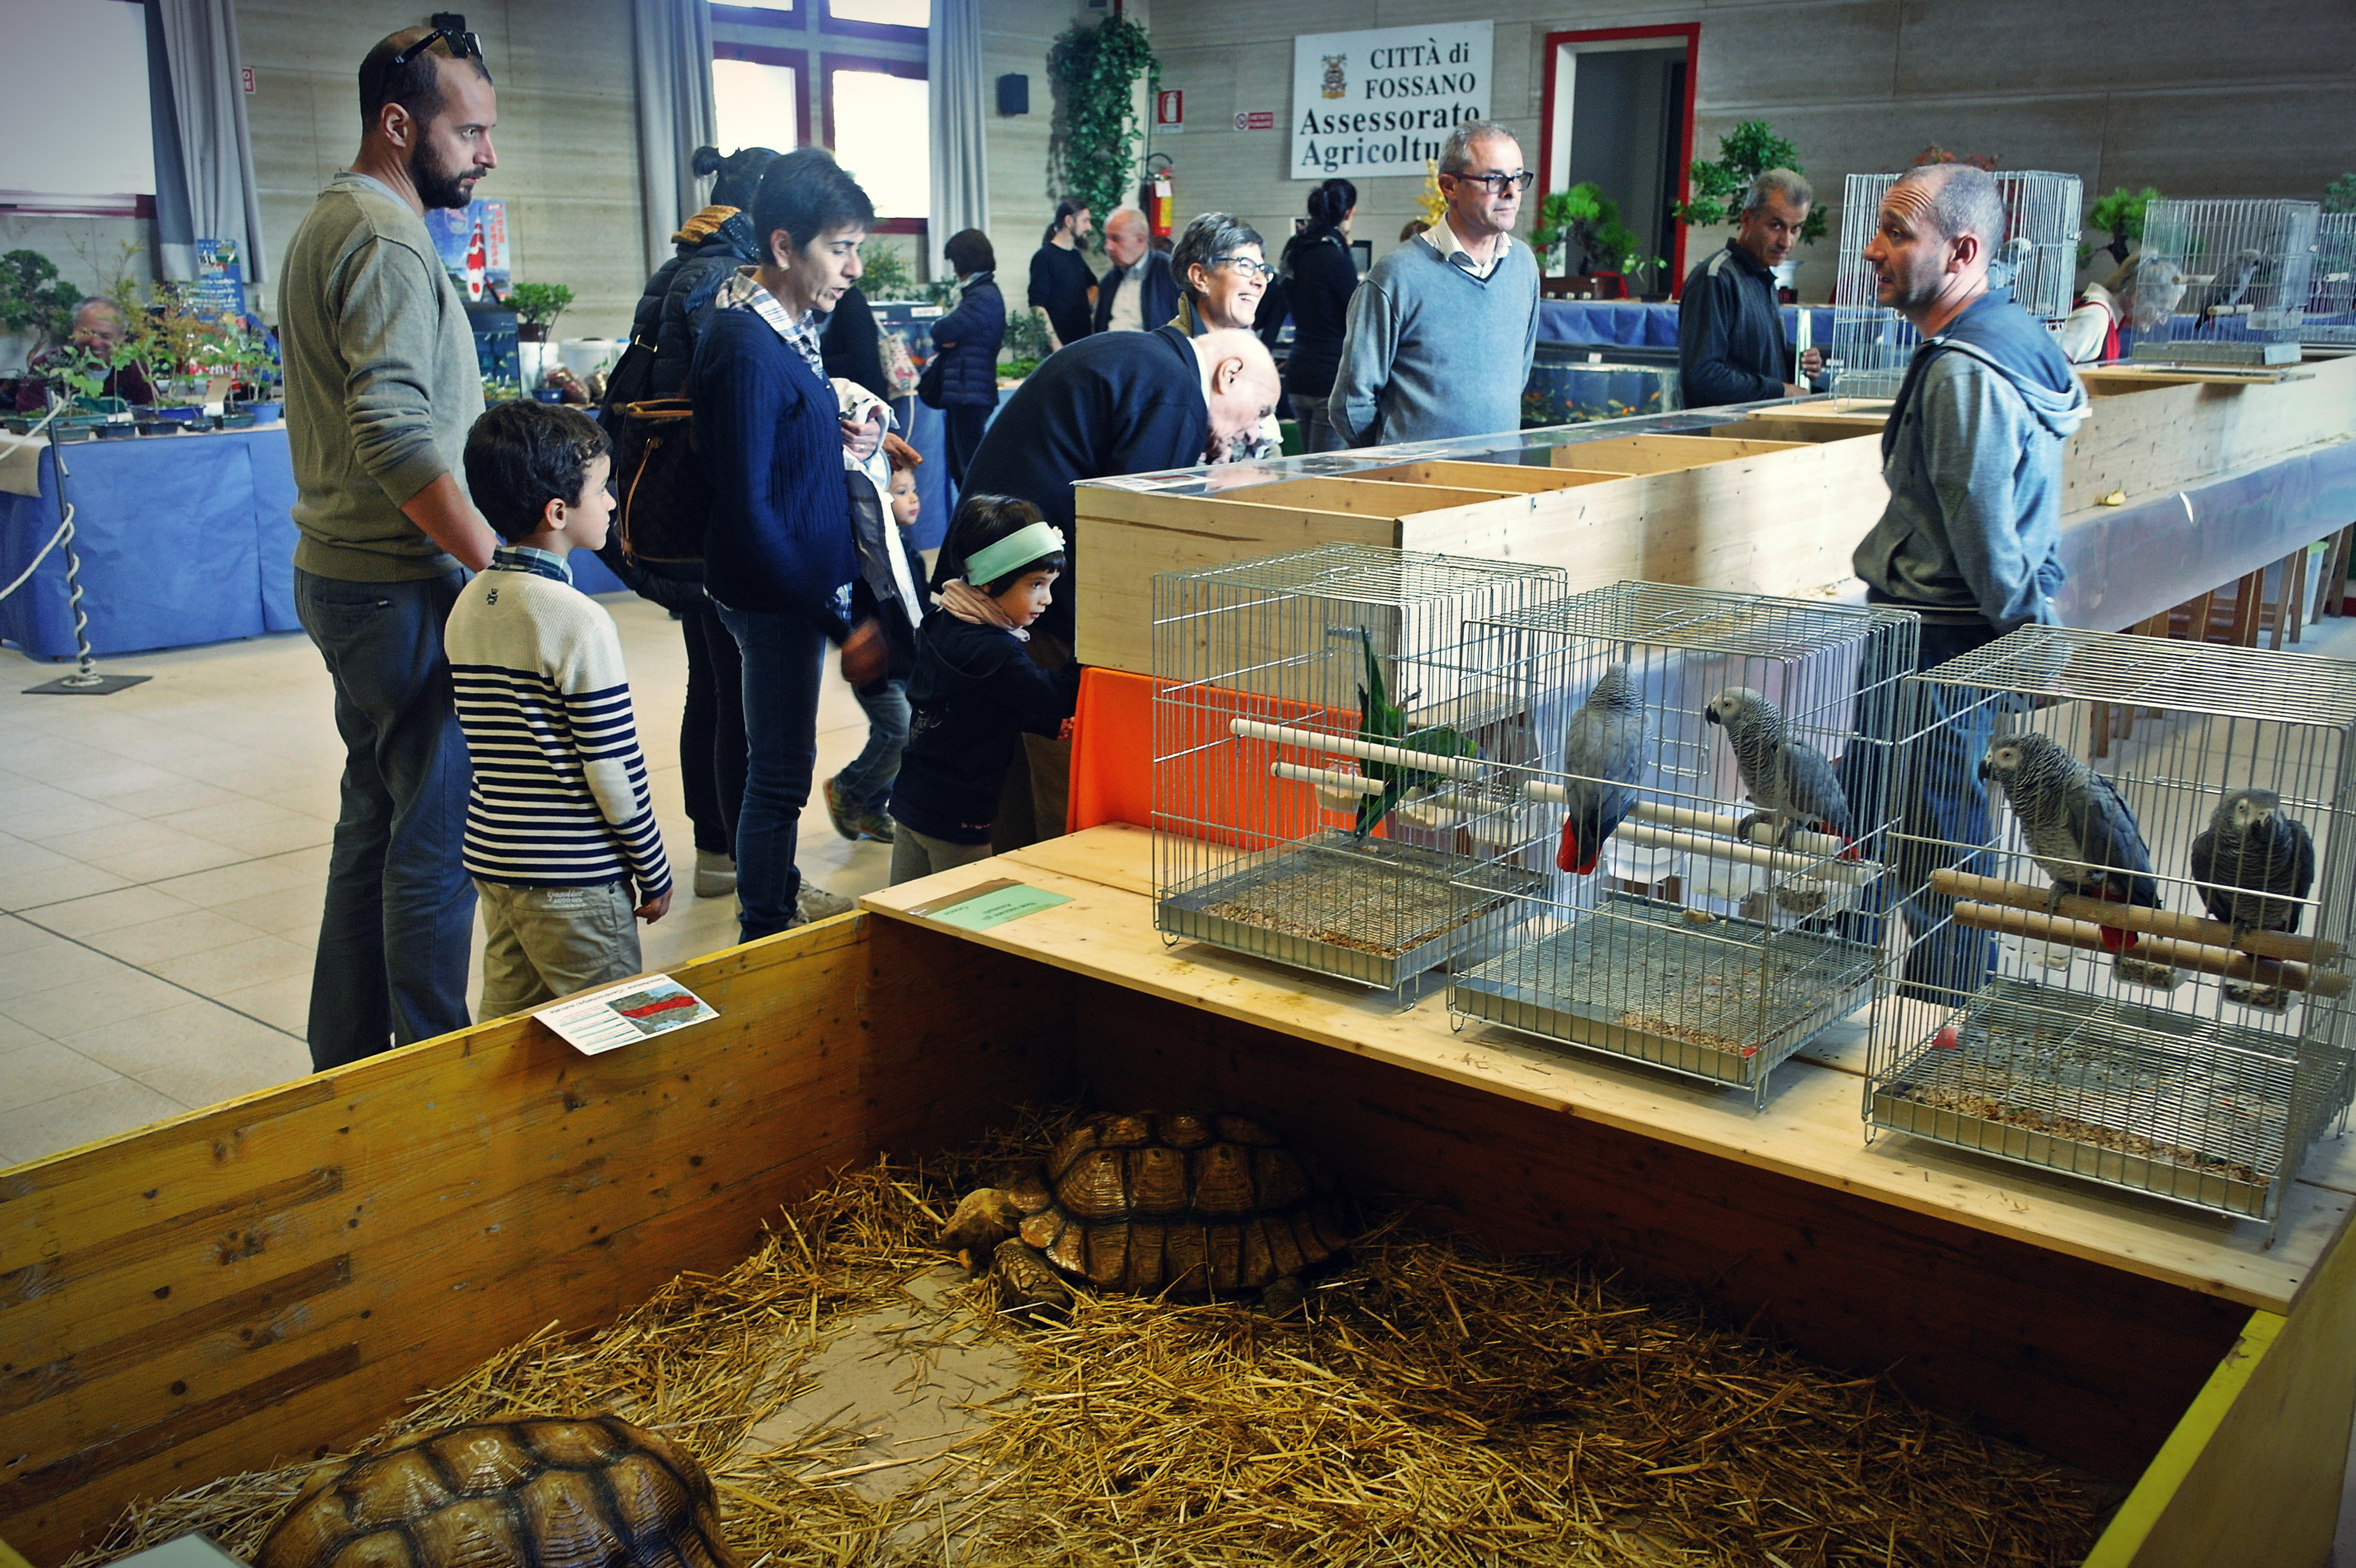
x=396, y=934
x=785, y=660
x=866, y=782
x=1942, y=819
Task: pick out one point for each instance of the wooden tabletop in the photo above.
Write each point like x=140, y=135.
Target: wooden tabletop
x=1810, y=1129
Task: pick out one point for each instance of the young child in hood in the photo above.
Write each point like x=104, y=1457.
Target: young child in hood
x=975, y=690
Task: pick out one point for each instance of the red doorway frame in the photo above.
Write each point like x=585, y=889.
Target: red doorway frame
x=1688, y=31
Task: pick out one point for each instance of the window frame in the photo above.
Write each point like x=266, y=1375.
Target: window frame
x=886, y=32
x=796, y=61
x=907, y=71
x=787, y=16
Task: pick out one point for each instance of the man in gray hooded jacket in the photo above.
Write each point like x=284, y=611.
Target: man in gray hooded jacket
x=1970, y=539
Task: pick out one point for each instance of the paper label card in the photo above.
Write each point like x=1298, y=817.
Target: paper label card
x=624, y=1013
x=990, y=904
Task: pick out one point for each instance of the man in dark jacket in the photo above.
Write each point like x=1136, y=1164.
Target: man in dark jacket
x=1731, y=345
x=1137, y=293
x=1112, y=403
x=1971, y=454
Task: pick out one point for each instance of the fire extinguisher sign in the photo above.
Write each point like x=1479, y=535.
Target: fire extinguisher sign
x=1169, y=110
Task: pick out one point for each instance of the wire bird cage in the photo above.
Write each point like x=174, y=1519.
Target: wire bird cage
x=1872, y=343
x=1315, y=733
x=2330, y=319
x=2242, y=269
x=1649, y=911
x=2130, y=973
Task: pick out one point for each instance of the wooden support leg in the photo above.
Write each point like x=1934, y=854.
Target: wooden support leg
x=2249, y=608
x=2100, y=723
x=2332, y=597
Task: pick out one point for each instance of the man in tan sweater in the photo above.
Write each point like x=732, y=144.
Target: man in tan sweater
x=382, y=387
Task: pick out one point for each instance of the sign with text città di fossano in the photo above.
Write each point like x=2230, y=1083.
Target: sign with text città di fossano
x=1381, y=102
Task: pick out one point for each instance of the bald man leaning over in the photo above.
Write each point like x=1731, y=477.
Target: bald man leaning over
x=1112, y=403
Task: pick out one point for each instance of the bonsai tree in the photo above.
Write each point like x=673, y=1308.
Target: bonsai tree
x=2120, y=215
x=34, y=299
x=1584, y=217
x=2339, y=195
x=1747, y=152
x=885, y=275
x=537, y=304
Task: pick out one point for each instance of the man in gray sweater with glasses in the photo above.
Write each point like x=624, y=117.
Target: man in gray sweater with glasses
x=382, y=387
x=1441, y=337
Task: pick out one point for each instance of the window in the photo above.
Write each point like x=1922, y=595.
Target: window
x=56, y=154
x=759, y=97
x=877, y=122
x=757, y=12
x=904, y=20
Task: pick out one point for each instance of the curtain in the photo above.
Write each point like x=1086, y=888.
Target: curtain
x=209, y=184
x=961, y=125
x=675, y=112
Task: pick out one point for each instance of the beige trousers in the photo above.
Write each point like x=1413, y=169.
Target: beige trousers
x=540, y=943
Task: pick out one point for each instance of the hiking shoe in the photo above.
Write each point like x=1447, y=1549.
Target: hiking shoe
x=716, y=875
x=844, y=815
x=817, y=903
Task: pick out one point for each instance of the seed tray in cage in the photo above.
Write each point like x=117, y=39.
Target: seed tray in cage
x=1729, y=1000
x=1379, y=912
x=2198, y=1112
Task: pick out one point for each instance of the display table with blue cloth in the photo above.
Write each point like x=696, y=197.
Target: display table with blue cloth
x=183, y=539
x=1634, y=324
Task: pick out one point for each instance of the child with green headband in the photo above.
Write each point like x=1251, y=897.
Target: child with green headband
x=975, y=690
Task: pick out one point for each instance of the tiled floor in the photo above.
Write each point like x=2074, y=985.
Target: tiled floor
x=162, y=855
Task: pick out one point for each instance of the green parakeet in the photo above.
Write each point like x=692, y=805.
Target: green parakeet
x=1380, y=722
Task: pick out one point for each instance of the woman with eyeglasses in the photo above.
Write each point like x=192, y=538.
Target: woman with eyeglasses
x=1221, y=274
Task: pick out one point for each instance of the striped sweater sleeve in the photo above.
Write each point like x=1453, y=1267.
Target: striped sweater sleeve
x=561, y=796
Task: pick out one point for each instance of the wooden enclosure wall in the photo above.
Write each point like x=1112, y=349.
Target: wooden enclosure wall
x=275, y=1276
x=2167, y=437
x=2079, y=1362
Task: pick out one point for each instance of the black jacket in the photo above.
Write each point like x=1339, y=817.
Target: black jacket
x=852, y=344
x=874, y=594
x=967, y=339
x=1118, y=402
x=1159, y=297
x=1319, y=277
x=974, y=691
x=1060, y=281
x=1731, y=345
x=709, y=248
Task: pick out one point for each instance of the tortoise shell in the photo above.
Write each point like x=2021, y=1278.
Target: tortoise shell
x=594, y=1492
x=1190, y=1205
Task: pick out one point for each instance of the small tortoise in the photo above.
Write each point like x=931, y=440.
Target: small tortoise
x=594, y=1492
x=1191, y=1206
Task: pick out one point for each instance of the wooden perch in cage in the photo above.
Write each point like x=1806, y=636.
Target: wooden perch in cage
x=1471, y=769
x=2133, y=917
x=2203, y=958
x=1332, y=778
x=1713, y=833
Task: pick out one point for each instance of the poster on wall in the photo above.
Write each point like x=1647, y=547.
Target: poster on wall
x=1381, y=102
x=220, y=281
x=472, y=241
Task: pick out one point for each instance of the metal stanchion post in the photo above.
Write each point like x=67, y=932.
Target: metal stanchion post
x=85, y=681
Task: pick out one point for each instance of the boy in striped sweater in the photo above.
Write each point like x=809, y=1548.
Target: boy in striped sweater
x=560, y=823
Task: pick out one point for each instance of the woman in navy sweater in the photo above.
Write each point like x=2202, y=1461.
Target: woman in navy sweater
x=967, y=339
x=779, y=554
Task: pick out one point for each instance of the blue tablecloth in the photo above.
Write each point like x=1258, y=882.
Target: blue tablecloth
x=1636, y=325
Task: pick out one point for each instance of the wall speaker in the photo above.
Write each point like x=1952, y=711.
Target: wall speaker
x=1014, y=94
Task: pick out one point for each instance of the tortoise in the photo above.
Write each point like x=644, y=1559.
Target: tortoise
x=589, y=1492
x=1187, y=1205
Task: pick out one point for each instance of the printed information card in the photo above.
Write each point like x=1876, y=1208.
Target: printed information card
x=624, y=1013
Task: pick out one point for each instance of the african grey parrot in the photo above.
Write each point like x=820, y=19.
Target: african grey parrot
x=1791, y=780
x=1604, y=741
x=2078, y=828
x=2249, y=851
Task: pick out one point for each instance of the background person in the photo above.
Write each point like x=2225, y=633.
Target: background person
x=1223, y=275
x=2139, y=294
x=1123, y=403
x=382, y=385
x=1730, y=344
x=1316, y=278
x=969, y=337
x=1136, y=293
x=1061, y=284
x=779, y=554
x=98, y=329
x=1442, y=336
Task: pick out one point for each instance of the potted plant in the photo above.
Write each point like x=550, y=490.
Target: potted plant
x=1720, y=187
x=1584, y=224
x=536, y=306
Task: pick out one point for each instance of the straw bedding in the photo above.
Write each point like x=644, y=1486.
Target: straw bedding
x=1439, y=1405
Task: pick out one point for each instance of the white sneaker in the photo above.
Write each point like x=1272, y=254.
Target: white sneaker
x=817, y=903
x=716, y=875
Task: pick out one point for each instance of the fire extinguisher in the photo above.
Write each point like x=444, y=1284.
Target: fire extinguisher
x=1154, y=195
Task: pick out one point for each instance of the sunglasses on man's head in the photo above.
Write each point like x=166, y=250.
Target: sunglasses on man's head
x=462, y=46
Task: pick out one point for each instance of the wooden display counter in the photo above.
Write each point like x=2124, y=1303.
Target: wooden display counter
x=2213, y=471
x=275, y=1275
